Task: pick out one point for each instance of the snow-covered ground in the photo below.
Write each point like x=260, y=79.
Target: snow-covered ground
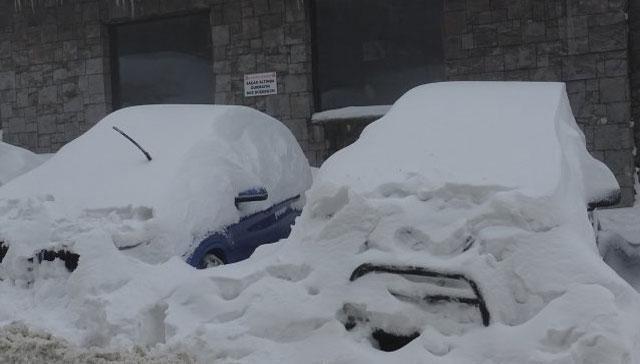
x=489, y=198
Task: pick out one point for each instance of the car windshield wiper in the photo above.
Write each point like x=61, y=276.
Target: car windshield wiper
x=146, y=154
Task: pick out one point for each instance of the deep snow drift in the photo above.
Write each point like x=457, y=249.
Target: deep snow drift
x=15, y=161
x=442, y=183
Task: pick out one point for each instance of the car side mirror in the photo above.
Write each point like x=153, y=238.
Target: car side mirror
x=251, y=195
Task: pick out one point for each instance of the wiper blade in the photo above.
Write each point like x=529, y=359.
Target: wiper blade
x=146, y=154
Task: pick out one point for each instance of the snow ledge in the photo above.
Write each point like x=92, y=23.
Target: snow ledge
x=350, y=112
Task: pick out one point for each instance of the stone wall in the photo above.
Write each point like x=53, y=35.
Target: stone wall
x=53, y=74
x=634, y=68
x=55, y=79
x=581, y=42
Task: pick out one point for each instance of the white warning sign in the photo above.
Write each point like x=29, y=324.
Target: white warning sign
x=260, y=84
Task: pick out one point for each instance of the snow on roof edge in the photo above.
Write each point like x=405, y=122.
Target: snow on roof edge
x=350, y=112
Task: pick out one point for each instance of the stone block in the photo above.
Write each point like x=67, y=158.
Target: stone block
x=619, y=112
x=621, y=164
x=6, y=111
x=295, y=11
x=613, y=89
x=301, y=106
x=246, y=63
x=251, y=28
x=485, y=38
x=296, y=33
x=579, y=67
x=552, y=74
x=273, y=38
x=231, y=12
x=299, y=54
x=94, y=66
x=520, y=58
x=95, y=85
x=223, y=83
x=277, y=62
x=48, y=95
x=609, y=18
x=260, y=7
x=612, y=137
x=494, y=63
x=70, y=50
x=94, y=113
x=44, y=143
x=576, y=26
x=72, y=105
x=510, y=36
x=534, y=31
x=222, y=98
x=277, y=6
x=608, y=37
x=271, y=21
x=5, y=49
x=296, y=83
x=220, y=35
x=69, y=90
x=300, y=68
x=7, y=80
x=615, y=67
x=46, y=124
x=278, y=106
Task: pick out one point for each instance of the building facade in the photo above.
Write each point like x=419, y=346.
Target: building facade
x=66, y=64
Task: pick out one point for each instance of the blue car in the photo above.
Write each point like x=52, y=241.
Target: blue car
x=207, y=183
x=241, y=239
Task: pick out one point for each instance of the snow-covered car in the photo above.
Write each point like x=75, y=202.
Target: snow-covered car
x=208, y=183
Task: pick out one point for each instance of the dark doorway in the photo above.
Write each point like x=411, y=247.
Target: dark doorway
x=369, y=52
x=162, y=61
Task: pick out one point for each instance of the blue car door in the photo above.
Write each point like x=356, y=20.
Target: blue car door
x=263, y=227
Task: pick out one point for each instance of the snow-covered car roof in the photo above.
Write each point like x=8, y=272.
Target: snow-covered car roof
x=514, y=135
x=15, y=161
x=203, y=156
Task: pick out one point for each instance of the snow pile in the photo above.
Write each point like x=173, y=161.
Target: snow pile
x=203, y=156
x=351, y=112
x=475, y=213
x=15, y=161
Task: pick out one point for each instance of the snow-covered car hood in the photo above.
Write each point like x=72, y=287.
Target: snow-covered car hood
x=203, y=156
x=524, y=240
